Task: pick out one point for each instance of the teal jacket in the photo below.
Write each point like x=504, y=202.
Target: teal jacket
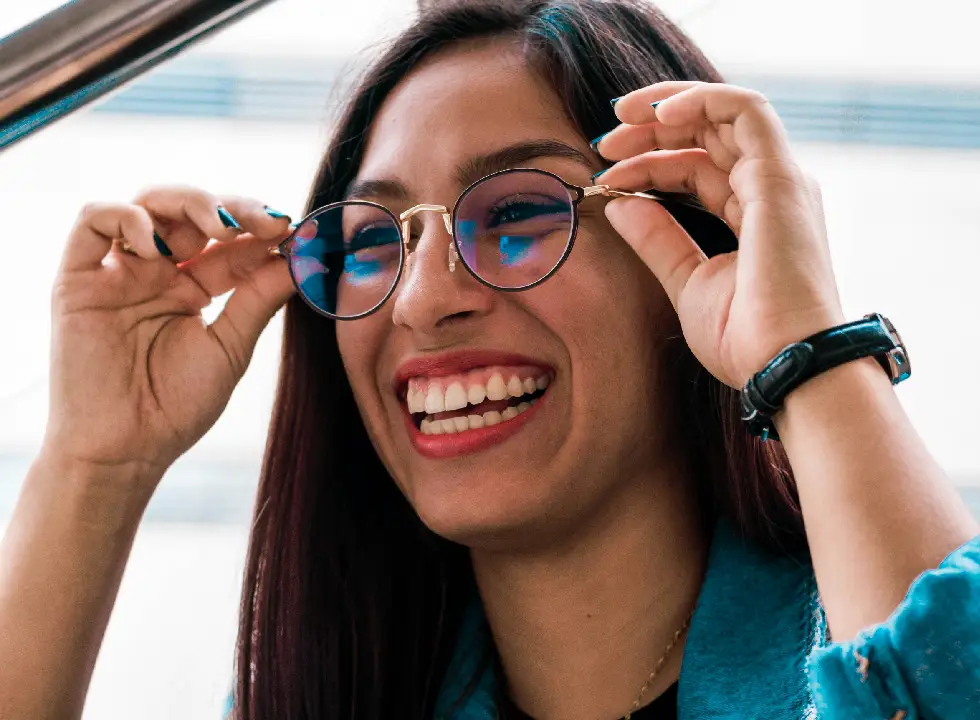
x=758, y=647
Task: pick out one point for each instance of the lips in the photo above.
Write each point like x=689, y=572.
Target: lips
x=434, y=366
x=472, y=440
x=468, y=401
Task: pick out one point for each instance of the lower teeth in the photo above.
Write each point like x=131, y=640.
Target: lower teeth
x=447, y=426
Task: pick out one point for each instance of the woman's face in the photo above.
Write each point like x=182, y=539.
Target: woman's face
x=592, y=332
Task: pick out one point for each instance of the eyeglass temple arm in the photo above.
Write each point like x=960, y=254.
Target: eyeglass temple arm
x=607, y=191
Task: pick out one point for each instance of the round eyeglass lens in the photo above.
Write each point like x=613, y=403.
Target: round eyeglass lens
x=345, y=259
x=513, y=229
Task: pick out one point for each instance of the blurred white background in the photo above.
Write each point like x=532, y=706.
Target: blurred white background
x=881, y=98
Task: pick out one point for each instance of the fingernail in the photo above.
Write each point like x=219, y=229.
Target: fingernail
x=276, y=214
x=161, y=245
x=595, y=143
x=615, y=100
x=227, y=220
x=654, y=104
x=598, y=174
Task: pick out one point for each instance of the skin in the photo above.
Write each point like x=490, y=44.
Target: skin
x=595, y=488
x=599, y=429
x=584, y=540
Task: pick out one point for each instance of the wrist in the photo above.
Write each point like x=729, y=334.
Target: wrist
x=801, y=363
x=114, y=494
x=819, y=399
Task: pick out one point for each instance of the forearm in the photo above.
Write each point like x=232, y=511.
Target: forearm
x=61, y=561
x=878, y=508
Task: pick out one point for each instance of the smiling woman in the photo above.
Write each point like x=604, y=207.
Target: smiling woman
x=506, y=473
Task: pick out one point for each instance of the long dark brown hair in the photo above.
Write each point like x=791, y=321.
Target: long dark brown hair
x=350, y=605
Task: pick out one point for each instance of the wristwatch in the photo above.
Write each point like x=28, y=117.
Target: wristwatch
x=873, y=335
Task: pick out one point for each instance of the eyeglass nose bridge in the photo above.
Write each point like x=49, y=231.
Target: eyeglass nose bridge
x=406, y=221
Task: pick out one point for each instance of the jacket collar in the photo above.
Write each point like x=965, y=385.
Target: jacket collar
x=757, y=618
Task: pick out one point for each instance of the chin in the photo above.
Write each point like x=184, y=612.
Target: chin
x=478, y=515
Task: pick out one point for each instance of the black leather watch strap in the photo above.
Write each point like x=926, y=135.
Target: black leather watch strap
x=873, y=335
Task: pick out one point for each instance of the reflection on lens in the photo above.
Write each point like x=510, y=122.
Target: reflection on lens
x=345, y=259
x=513, y=228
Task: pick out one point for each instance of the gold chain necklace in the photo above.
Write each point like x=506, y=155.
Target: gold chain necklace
x=659, y=666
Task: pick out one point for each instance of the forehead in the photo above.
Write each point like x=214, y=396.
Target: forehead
x=467, y=100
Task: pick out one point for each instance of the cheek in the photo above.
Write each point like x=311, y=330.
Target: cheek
x=361, y=344
x=608, y=287
x=614, y=317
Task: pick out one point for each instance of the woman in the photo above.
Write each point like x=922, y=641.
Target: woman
x=479, y=502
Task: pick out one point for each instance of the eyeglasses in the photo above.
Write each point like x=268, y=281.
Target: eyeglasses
x=511, y=230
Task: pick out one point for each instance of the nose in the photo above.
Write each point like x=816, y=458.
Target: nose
x=429, y=295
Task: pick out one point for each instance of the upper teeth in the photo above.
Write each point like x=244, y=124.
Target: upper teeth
x=459, y=393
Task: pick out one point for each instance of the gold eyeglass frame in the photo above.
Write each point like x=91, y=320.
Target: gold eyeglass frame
x=577, y=194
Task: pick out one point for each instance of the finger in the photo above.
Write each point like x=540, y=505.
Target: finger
x=658, y=239
x=756, y=132
x=251, y=306
x=223, y=266
x=98, y=225
x=640, y=130
x=634, y=108
x=187, y=218
x=684, y=171
x=629, y=140
x=255, y=217
x=626, y=140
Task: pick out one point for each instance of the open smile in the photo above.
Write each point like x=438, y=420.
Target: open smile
x=452, y=413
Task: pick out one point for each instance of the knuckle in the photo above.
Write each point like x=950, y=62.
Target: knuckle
x=92, y=210
x=200, y=199
x=179, y=195
x=240, y=203
x=131, y=217
x=149, y=193
x=139, y=218
x=754, y=97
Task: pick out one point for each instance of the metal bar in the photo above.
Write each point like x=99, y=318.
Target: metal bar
x=87, y=48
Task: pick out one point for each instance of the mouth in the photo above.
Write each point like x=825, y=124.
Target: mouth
x=448, y=415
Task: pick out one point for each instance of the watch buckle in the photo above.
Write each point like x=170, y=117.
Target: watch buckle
x=897, y=359
x=898, y=365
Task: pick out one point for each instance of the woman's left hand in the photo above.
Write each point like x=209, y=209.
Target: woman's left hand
x=727, y=145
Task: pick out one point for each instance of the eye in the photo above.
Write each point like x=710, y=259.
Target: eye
x=520, y=208
x=372, y=236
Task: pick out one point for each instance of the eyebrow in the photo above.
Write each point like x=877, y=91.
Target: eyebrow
x=477, y=167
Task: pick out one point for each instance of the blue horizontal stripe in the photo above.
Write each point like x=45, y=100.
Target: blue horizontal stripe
x=301, y=90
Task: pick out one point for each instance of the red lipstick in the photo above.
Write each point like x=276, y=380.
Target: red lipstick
x=457, y=362
x=449, y=445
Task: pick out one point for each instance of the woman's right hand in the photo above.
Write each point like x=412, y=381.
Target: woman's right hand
x=137, y=376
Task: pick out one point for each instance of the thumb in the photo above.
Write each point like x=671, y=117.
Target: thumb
x=660, y=241
x=256, y=298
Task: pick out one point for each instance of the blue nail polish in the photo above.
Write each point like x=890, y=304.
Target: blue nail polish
x=598, y=174
x=227, y=220
x=276, y=214
x=594, y=144
x=613, y=102
x=654, y=104
x=161, y=245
